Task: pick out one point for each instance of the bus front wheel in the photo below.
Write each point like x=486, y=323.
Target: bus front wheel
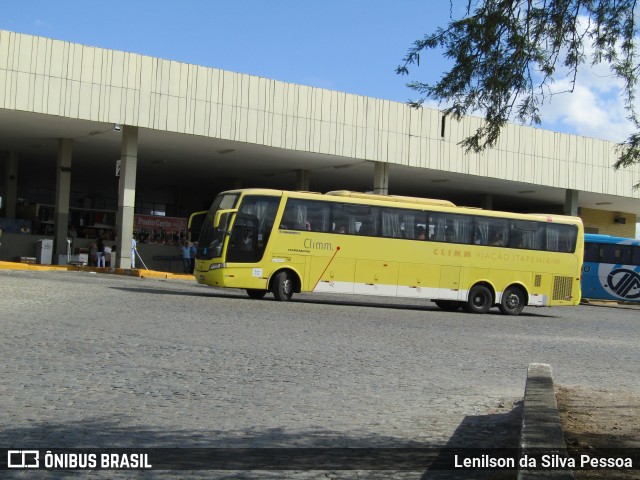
x=512, y=301
x=256, y=293
x=282, y=286
x=480, y=300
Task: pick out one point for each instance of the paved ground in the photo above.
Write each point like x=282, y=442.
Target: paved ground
x=99, y=360
x=596, y=421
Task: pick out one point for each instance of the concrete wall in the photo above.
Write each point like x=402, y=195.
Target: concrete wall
x=18, y=245
x=604, y=221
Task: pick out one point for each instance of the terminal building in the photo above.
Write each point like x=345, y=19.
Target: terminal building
x=97, y=142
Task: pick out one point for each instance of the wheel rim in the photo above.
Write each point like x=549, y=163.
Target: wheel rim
x=512, y=302
x=479, y=300
x=286, y=286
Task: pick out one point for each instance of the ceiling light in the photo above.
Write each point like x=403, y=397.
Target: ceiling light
x=527, y=191
x=228, y=150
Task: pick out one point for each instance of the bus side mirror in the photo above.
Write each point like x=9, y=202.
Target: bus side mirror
x=219, y=213
x=195, y=226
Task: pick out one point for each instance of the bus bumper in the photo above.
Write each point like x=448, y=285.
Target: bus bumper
x=231, y=276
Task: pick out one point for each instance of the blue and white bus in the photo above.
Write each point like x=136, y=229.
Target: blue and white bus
x=611, y=269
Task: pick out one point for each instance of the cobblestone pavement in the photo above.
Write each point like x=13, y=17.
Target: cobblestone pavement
x=109, y=361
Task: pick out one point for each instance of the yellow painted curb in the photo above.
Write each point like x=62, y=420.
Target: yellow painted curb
x=152, y=274
x=31, y=266
x=164, y=275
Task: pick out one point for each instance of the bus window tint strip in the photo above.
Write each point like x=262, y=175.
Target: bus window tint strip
x=611, y=254
x=373, y=221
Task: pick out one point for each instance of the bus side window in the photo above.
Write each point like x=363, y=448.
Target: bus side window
x=306, y=215
x=527, y=234
x=615, y=254
x=366, y=229
x=357, y=219
x=561, y=238
x=623, y=254
x=591, y=251
x=437, y=227
x=491, y=231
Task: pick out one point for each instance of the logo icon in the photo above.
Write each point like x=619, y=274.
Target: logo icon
x=23, y=458
x=624, y=283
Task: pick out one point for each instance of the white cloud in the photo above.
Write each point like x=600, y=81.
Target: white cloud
x=595, y=108
x=589, y=111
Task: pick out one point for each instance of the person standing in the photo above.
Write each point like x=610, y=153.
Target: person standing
x=107, y=256
x=192, y=250
x=100, y=253
x=133, y=252
x=186, y=257
x=93, y=254
x=72, y=233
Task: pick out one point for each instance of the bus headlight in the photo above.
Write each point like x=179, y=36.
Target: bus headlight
x=216, y=266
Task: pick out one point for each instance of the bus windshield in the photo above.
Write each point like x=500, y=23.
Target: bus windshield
x=252, y=228
x=211, y=239
x=249, y=233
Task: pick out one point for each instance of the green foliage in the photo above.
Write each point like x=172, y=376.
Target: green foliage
x=505, y=54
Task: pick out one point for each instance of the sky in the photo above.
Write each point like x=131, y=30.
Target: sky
x=352, y=46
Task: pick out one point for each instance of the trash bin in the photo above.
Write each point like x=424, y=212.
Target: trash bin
x=44, y=252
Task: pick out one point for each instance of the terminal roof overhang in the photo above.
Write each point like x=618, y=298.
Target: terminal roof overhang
x=167, y=158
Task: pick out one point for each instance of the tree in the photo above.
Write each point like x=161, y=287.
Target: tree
x=505, y=54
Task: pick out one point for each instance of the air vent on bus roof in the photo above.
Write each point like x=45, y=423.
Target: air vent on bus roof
x=391, y=198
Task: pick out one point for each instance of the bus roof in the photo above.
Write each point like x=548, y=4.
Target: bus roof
x=409, y=201
x=391, y=198
x=599, y=238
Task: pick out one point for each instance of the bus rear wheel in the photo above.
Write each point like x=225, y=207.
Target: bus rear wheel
x=282, y=286
x=480, y=300
x=447, y=305
x=255, y=293
x=512, y=302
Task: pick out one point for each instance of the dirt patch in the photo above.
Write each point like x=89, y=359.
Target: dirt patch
x=599, y=419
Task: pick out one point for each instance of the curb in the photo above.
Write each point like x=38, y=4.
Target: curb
x=31, y=266
x=152, y=274
x=541, y=427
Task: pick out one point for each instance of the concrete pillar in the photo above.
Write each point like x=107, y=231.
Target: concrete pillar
x=381, y=178
x=127, y=197
x=63, y=193
x=487, y=202
x=571, y=203
x=11, y=185
x=302, y=180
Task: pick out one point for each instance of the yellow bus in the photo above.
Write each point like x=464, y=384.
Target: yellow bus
x=285, y=242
